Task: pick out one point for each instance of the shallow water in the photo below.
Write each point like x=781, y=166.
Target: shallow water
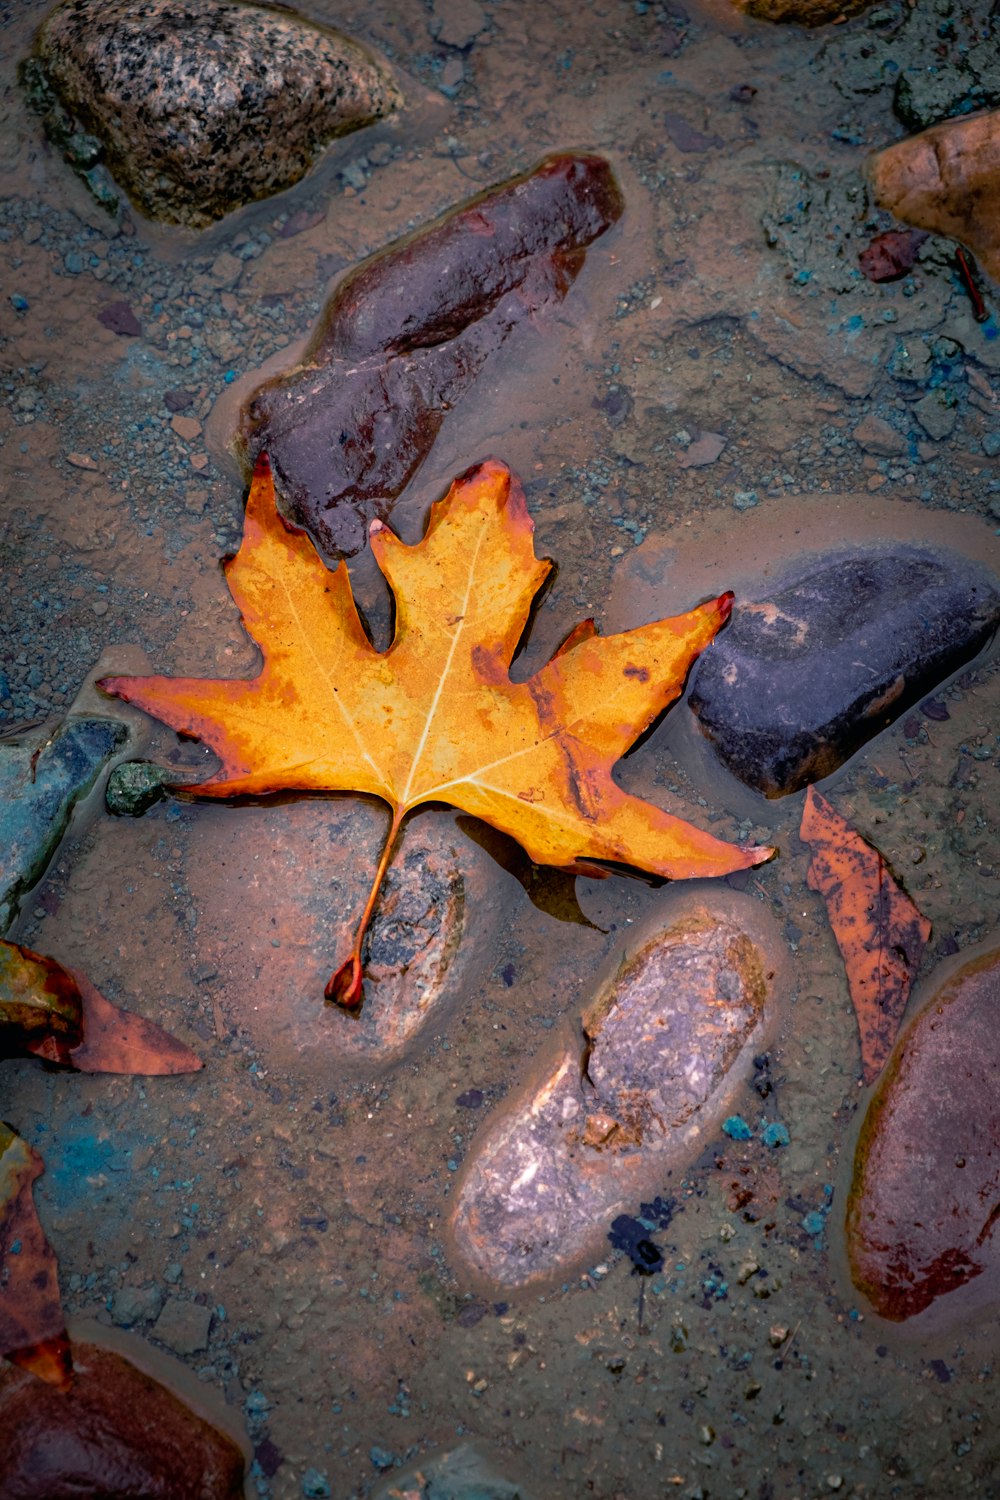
x=294, y=1185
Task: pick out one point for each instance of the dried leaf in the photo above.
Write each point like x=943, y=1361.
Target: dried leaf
x=880, y=933
x=436, y=717
x=32, y=1329
x=58, y=1015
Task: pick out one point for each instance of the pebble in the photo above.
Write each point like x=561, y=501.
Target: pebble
x=183, y=1326
x=877, y=436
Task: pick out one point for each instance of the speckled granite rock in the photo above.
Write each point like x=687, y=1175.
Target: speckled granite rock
x=41, y=777
x=803, y=677
x=199, y=106
x=664, y=1044
x=922, y=1214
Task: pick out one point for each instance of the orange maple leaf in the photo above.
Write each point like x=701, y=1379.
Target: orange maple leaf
x=436, y=717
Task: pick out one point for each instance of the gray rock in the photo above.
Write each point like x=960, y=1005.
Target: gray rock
x=877, y=436
x=134, y=1304
x=805, y=676
x=133, y=787
x=936, y=413
x=459, y=1474
x=41, y=778
x=200, y=106
x=183, y=1326
x=667, y=1039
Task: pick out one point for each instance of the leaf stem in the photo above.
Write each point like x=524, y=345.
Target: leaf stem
x=345, y=986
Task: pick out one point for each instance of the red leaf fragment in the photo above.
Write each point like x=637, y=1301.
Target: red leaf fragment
x=880, y=933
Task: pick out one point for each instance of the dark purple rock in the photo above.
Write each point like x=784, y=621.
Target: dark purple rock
x=406, y=334
x=178, y=400
x=119, y=317
x=805, y=676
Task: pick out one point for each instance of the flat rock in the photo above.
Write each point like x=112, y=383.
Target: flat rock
x=806, y=675
x=183, y=1326
x=116, y=1434
x=665, y=1042
x=41, y=778
x=922, y=1213
x=875, y=435
x=196, y=107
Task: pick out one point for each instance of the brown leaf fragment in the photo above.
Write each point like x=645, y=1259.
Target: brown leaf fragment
x=32, y=1329
x=880, y=933
x=56, y=1014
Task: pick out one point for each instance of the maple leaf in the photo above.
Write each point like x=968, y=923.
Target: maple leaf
x=436, y=717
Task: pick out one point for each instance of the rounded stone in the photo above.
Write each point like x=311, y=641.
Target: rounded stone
x=925, y=1199
x=665, y=1042
x=200, y=106
x=116, y=1432
x=805, y=676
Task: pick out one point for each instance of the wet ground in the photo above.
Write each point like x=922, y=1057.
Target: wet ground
x=299, y=1188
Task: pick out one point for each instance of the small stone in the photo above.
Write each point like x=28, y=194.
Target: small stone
x=178, y=400
x=879, y=437
x=805, y=676
x=226, y=270
x=736, y=1128
x=991, y=444
x=81, y=461
x=315, y=1486
x=134, y=1304
x=183, y=1326
x=133, y=787
x=119, y=317
x=922, y=1205
x=187, y=428
x=199, y=461
x=936, y=412
x=704, y=450
x=565, y=1158
x=457, y=23
x=462, y=1473
x=100, y=606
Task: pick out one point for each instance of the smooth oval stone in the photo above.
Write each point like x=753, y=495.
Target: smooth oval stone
x=116, y=1434
x=926, y=1192
x=199, y=106
x=667, y=1039
x=803, y=678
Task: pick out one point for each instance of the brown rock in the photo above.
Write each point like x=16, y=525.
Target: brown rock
x=923, y=1207
x=877, y=436
x=117, y=1434
x=801, y=12
x=187, y=428
x=947, y=180
x=664, y=1043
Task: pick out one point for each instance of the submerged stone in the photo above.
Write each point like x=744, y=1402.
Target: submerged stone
x=925, y=1199
x=199, y=106
x=459, y=1474
x=404, y=336
x=665, y=1043
x=803, y=678
x=134, y=787
x=41, y=778
x=116, y=1434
